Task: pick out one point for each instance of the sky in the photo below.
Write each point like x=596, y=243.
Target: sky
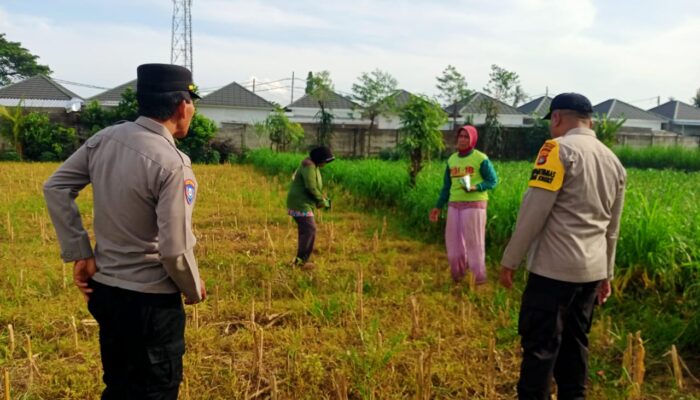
x=637, y=51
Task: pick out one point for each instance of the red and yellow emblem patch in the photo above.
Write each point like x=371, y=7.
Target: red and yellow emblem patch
x=548, y=173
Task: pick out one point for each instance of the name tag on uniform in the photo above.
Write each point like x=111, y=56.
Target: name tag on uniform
x=548, y=172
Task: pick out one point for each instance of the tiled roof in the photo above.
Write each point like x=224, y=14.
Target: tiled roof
x=677, y=110
x=402, y=97
x=38, y=87
x=234, y=95
x=474, y=105
x=114, y=95
x=538, y=106
x=614, y=108
x=336, y=101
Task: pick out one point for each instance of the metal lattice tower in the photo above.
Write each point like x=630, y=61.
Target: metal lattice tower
x=181, y=40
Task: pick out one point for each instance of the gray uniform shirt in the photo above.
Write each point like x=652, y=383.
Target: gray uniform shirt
x=571, y=231
x=144, y=192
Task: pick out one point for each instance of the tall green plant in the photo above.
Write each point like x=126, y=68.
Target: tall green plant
x=421, y=120
x=493, y=130
x=320, y=89
x=11, y=127
x=606, y=128
x=280, y=130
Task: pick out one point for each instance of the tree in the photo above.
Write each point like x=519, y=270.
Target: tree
x=492, y=128
x=321, y=90
x=696, y=99
x=453, y=88
x=421, y=120
x=505, y=86
x=374, y=92
x=606, y=128
x=17, y=63
x=12, y=119
x=281, y=131
x=309, y=83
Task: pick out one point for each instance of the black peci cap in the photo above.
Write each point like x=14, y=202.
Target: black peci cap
x=570, y=101
x=321, y=154
x=164, y=78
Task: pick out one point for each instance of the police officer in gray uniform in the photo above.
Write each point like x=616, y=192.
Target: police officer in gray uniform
x=568, y=225
x=144, y=192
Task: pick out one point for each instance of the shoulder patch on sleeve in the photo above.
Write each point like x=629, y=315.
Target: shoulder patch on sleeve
x=548, y=172
x=189, y=191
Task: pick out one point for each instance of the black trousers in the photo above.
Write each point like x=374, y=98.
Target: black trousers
x=555, y=318
x=142, y=341
x=306, y=229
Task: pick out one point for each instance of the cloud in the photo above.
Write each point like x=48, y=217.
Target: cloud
x=254, y=14
x=560, y=44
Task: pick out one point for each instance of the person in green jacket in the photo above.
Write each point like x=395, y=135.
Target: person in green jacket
x=305, y=195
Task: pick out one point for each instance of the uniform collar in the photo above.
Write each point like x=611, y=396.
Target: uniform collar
x=581, y=131
x=155, y=127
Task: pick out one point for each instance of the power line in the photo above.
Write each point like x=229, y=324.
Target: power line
x=87, y=85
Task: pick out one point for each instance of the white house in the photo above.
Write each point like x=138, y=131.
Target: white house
x=41, y=93
x=637, y=119
x=538, y=106
x=391, y=121
x=234, y=104
x=111, y=98
x=349, y=128
x=681, y=118
x=474, y=107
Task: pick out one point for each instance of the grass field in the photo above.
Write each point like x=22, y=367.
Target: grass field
x=379, y=318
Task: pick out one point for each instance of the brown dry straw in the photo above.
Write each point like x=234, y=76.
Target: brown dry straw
x=11, y=332
x=6, y=374
x=415, y=321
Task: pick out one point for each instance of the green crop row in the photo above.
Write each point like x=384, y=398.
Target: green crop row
x=660, y=230
x=658, y=252
x=675, y=157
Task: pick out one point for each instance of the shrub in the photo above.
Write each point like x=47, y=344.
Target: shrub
x=43, y=140
x=9, y=155
x=196, y=143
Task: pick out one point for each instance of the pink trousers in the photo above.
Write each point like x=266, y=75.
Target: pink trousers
x=464, y=238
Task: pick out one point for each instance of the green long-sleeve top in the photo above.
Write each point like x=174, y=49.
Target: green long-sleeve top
x=305, y=192
x=488, y=173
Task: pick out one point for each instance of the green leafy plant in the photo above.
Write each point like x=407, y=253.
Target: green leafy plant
x=421, y=120
x=11, y=121
x=606, y=128
x=280, y=130
x=43, y=140
x=320, y=88
x=196, y=143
